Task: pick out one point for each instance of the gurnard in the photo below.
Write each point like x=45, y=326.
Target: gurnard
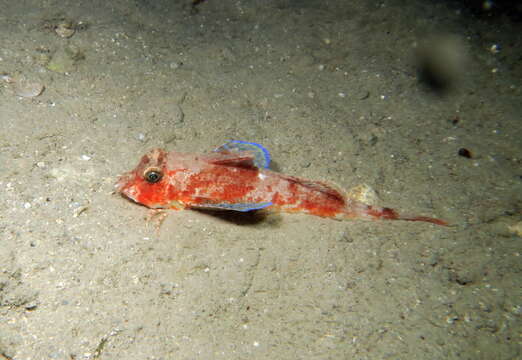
x=236, y=177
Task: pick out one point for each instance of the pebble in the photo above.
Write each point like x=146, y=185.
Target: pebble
x=364, y=193
x=65, y=29
x=516, y=229
x=27, y=89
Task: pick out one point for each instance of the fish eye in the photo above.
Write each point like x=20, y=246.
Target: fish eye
x=152, y=175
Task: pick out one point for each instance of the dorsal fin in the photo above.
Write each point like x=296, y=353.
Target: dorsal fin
x=238, y=159
x=260, y=153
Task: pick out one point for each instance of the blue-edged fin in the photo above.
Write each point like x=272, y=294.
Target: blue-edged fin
x=243, y=207
x=243, y=159
x=261, y=154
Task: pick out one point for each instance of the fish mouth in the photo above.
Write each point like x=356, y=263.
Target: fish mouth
x=122, y=181
x=124, y=186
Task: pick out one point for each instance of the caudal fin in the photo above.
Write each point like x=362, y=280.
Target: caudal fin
x=391, y=214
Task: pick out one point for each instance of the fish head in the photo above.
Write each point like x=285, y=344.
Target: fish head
x=147, y=184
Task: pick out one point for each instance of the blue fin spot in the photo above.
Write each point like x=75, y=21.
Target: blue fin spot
x=261, y=154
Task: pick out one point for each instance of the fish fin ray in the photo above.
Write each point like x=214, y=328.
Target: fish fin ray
x=242, y=159
x=261, y=156
x=241, y=207
x=323, y=187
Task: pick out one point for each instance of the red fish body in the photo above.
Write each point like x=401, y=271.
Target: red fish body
x=232, y=181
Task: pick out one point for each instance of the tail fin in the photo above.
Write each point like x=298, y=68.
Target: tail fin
x=390, y=214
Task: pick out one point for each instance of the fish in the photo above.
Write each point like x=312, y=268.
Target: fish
x=236, y=177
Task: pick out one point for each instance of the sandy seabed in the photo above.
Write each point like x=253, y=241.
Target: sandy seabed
x=332, y=88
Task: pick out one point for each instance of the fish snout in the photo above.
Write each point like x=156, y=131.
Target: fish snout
x=125, y=186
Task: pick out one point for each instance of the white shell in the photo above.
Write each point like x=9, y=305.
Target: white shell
x=364, y=193
x=28, y=89
x=65, y=30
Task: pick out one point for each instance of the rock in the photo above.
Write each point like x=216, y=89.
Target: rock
x=65, y=29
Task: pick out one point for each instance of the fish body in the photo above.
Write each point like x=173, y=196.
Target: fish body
x=231, y=179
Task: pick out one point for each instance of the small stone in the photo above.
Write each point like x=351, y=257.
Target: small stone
x=65, y=29
x=28, y=89
x=364, y=193
x=494, y=49
x=516, y=228
x=465, y=153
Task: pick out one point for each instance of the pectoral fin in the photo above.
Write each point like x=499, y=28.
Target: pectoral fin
x=242, y=207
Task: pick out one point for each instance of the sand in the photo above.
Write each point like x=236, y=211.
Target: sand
x=333, y=89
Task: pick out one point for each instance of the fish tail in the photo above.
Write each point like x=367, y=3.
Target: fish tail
x=325, y=200
x=361, y=210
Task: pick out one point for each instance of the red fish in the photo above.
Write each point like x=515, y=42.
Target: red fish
x=233, y=180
